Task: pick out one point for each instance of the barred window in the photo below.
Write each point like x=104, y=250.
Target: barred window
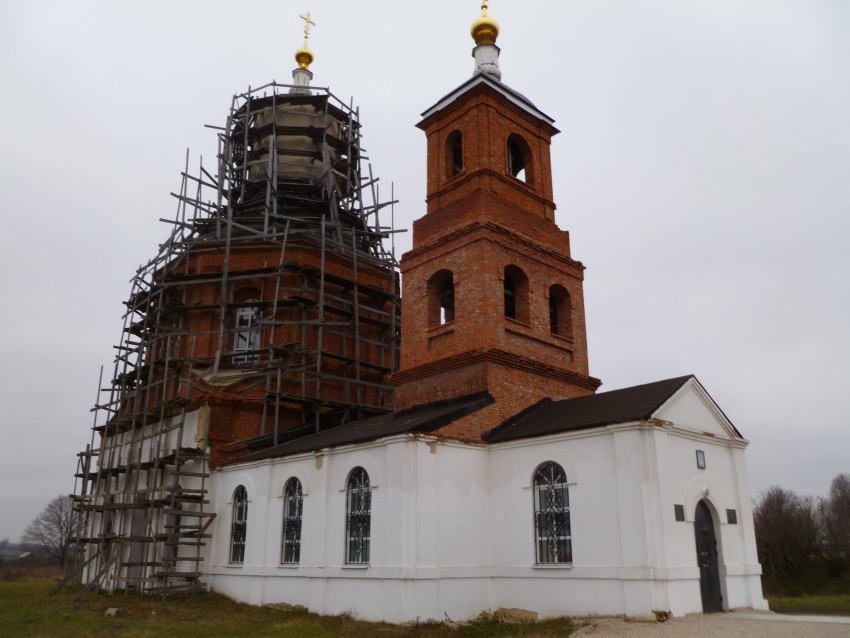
x=552, y=515
x=358, y=517
x=239, y=525
x=293, y=505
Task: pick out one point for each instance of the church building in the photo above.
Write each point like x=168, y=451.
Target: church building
x=291, y=429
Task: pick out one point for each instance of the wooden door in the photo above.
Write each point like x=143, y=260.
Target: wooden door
x=709, y=571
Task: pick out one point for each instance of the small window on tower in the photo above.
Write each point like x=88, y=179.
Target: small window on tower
x=560, y=312
x=247, y=337
x=519, y=159
x=516, y=294
x=454, y=153
x=441, y=298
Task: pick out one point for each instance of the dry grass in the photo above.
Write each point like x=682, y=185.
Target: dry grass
x=26, y=610
x=23, y=570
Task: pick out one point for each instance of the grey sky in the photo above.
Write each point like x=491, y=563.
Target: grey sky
x=703, y=171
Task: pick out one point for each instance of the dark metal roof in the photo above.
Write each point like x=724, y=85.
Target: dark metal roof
x=482, y=78
x=420, y=419
x=595, y=410
x=637, y=403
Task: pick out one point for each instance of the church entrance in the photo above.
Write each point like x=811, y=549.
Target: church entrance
x=709, y=572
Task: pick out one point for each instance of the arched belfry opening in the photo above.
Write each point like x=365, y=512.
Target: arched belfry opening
x=454, y=154
x=516, y=294
x=560, y=311
x=520, y=164
x=441, y=298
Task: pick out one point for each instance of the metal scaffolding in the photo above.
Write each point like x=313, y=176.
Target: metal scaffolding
x=270, y=312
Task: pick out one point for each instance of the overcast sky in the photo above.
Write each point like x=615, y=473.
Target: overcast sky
x=703, y=171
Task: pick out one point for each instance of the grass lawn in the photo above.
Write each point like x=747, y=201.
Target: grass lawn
x=811, y=604
x=26, y=610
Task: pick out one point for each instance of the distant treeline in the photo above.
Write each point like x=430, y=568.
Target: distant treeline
x=804, y=542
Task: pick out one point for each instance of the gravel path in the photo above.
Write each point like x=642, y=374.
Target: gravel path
x=732, y=625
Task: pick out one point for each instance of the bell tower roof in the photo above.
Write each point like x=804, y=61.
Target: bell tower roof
x=515, y=97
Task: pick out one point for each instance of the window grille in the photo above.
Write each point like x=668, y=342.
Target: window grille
x=239, y=525
x=293, y=506
x=552, y=515
x=358, y=517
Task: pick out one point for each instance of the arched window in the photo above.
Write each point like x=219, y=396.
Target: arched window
x=290, y=537
x=552, y=515
x=358, y=519
x=239, y=525
x=247, y=336
x=441, y=298
x=454, y=154
x=560, y=311
x=519, y=159
x=516, y=294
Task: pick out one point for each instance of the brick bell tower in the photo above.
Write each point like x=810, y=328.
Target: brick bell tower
x=492, y=300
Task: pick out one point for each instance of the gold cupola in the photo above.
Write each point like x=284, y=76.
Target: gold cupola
x=485, y=29
x=304, y=56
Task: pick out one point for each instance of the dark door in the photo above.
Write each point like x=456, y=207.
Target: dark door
x=709, y=573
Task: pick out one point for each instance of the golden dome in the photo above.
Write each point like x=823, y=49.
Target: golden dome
x=304, y=57
x=485, y=29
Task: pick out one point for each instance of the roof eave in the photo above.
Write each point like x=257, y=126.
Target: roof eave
x=505, y=91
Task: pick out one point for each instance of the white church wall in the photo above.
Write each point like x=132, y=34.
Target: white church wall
x=722, y=484
x=452, y=529
x=463, y=504
x=588, y=463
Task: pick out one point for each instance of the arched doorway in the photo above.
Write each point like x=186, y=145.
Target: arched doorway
x=709, y=571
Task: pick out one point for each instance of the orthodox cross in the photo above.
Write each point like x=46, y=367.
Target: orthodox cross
x=483, y=8
x=308, y=22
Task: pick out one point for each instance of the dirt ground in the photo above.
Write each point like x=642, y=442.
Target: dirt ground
x=729, y=625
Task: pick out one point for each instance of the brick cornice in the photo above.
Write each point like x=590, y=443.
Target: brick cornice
x=491, y=355
x=532, y=248
x=510, y=181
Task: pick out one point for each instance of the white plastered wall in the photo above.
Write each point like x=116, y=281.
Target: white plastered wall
x=452, y=526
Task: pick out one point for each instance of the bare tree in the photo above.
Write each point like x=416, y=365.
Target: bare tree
x=836, y=525
x=51, y=531
x=787, y=533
